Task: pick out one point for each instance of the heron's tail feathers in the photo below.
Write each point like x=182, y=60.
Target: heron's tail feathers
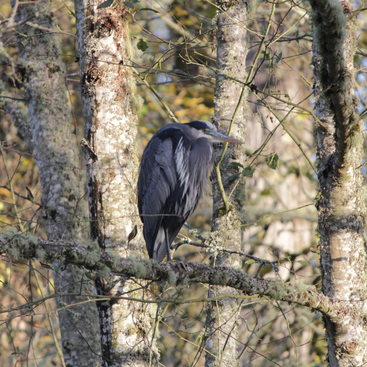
x=160, y=250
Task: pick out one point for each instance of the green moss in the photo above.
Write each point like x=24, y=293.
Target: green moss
x=300, y=286
x=93, y=255
x=139, y=268
x=221, y=277
x=172, y=278
x=277, y=291
x=14, y=253
x=104, y=271
x=41, y=254
x=356, y=139
x=17, y=244
x=113, y=260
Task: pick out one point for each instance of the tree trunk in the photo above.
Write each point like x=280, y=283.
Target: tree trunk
x=229, y=116
x=111, y=129
x=341, y=207
x=57, y=157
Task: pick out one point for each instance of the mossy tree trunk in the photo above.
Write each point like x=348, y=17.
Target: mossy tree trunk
x=51, y=134
x=110, y=134
x=229, y=116
x=341, y=205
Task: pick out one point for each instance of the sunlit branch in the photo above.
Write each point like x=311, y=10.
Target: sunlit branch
x=20, y=246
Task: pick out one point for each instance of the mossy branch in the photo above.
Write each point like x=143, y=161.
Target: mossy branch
x=21, y=246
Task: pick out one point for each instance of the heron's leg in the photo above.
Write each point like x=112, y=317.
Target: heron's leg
x=167, y=245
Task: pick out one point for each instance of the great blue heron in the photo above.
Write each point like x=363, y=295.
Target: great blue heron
x=173, y=171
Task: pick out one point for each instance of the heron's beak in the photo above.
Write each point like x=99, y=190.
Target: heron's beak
x=217, y=137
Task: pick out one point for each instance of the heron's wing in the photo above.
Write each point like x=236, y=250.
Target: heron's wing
x=192, y=161
x=193, y=167
x=201, y=159
x=157, y=180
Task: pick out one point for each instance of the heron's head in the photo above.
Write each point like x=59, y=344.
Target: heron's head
x=208, y=130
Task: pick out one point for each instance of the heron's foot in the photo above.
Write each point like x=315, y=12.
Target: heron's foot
x=182, y=266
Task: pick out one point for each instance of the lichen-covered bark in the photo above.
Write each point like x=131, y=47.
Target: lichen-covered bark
x=229, y=116
x=341, y=206
x=19, y=246
x=111, y=128
x=56, y=154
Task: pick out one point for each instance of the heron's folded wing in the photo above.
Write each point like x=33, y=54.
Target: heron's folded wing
x=156, y=182
x=199, y=163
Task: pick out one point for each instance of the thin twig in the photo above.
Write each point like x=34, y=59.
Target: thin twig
x=21, y=227
x=20, y=195
x=262, y=262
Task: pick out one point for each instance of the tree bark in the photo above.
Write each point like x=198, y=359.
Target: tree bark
x=57, y=157
x=229, y=116
x=110, y=134
x=341, y=206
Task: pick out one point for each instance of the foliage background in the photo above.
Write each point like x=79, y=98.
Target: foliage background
x=174, y=63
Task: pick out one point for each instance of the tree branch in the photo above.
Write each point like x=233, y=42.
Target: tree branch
x=21, y=246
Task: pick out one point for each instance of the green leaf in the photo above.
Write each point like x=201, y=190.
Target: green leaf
x=149, y=9
x=189, y=324
x=272, y=161
x=221, y=212
x=266, y=192
x=302, y=262
x=105, y=4
x=238, y=164
x=250, y=262
x=142, y=45
x=248, y=171
x=266, y=55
